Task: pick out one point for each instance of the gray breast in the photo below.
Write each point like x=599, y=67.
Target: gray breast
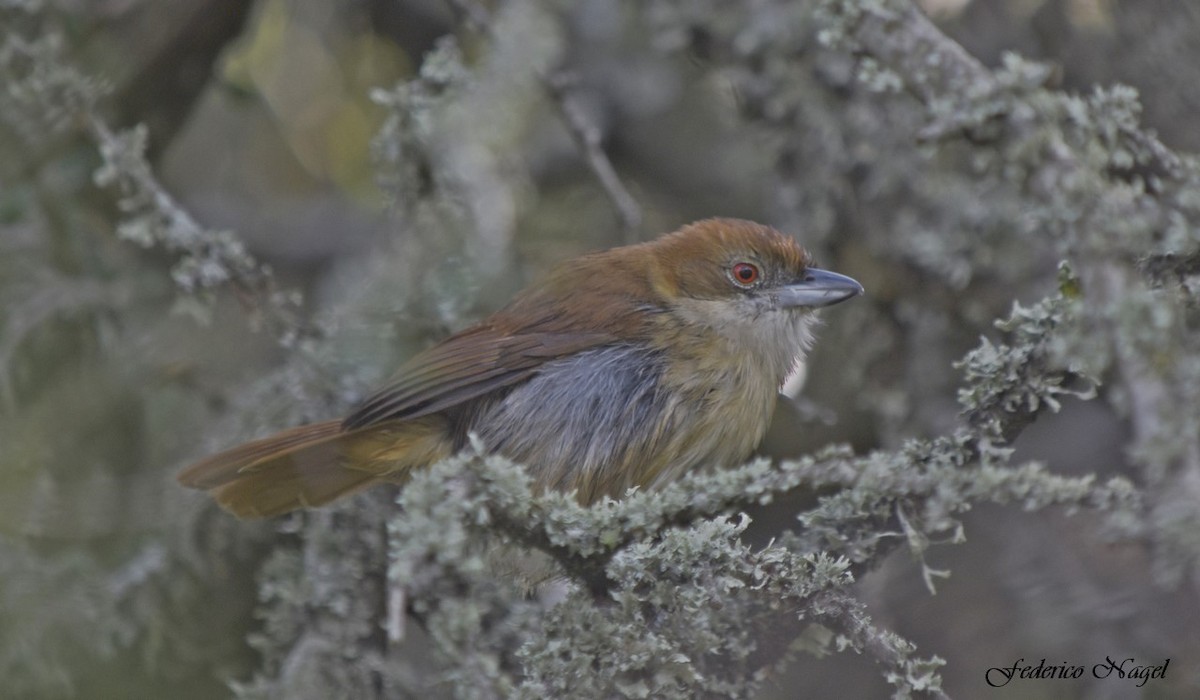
x=579, y=417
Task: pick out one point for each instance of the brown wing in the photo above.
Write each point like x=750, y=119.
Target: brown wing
x=538, y=326
x=467, y=366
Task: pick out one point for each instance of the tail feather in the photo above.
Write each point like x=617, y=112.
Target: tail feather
x=314, y=464
x=231, y=464
x=268, y=493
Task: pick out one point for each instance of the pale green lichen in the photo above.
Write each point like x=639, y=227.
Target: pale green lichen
x=1020, y=377
x=152, y=218
x=681, y=615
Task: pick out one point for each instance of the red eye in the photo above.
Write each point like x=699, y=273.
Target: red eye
x=745, y=273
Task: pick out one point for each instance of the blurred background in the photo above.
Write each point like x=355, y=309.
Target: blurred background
x=388, y=187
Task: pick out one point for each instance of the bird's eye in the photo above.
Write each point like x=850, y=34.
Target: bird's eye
x=744, y=273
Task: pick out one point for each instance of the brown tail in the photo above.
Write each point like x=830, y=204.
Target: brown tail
x=314, y=464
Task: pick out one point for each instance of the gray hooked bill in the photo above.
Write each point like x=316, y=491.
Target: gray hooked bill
x=819, y=288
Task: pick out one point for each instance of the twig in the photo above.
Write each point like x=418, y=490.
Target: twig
x=559, y=86
x=218, y=257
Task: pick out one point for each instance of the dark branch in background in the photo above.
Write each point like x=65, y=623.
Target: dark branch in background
x=1172, y=268
x=560, y=87
x=149, y=215
x=169, y=80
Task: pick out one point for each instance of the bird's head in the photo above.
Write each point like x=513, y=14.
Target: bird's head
x=719, y=290
x=752, y=285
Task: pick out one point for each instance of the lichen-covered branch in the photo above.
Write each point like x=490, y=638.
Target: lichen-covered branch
x=642, y=636
x=40, y=80
x=1116, y=201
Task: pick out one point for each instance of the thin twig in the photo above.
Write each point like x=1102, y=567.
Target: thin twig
x=252, y=282
x=559, y=86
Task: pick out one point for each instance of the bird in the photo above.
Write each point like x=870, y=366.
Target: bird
x=620, y=369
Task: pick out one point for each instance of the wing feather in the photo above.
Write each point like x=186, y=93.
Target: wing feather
x=466, y=366
x=537, y=327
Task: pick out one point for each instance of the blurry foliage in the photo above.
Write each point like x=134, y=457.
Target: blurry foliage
x=957, y=193
x=316, y=88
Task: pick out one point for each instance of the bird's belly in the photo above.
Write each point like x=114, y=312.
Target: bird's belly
x=606, y=420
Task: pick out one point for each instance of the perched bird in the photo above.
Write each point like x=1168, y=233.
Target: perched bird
x=621, y=368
